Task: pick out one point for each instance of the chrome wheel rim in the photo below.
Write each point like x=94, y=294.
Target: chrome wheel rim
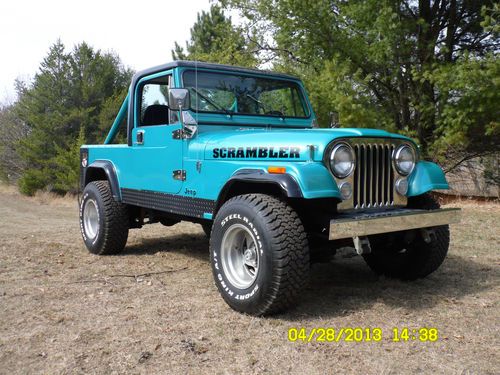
x=239, y=255
x=90, y=219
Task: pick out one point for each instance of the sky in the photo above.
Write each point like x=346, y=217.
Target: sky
x=142, y=33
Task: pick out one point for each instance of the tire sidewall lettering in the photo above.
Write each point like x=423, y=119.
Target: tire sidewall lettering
x=82, y=203
x=223, y=283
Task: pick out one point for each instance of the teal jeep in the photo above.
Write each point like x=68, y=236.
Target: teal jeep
x=238, y=151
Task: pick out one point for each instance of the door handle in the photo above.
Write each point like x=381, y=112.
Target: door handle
x=139, y=137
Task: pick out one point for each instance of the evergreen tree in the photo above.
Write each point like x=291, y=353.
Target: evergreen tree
x=63, y=104
x=215, y=39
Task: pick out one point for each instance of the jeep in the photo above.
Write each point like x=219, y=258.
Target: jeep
x=239, y=151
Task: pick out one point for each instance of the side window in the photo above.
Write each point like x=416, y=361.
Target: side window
x=154, y=103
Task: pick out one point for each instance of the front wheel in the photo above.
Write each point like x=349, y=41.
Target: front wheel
x=259, y=254
x=104, y=222
x=410, y=255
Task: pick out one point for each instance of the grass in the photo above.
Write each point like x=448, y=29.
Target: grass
x=63, y=310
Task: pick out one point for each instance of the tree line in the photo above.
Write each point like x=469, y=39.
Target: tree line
x=72, y=100
x=426, y=69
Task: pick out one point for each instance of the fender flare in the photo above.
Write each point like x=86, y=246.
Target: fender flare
x=109, y=170
x=427, y=176
x=286, y=182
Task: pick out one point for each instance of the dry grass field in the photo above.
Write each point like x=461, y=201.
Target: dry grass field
x=155, y=309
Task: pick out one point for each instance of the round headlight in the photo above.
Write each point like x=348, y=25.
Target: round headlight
x=402, y=186
x=345, y=190
x=342, y=160
x=404, y=160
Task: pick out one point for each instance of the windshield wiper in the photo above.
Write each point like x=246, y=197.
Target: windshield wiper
x=259, y=103
x=211, y=102
x=266, y=112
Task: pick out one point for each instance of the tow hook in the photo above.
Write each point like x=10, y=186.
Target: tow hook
x=428, y=235
x=362, y=245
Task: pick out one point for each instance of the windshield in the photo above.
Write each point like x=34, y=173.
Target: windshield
x=246, y=95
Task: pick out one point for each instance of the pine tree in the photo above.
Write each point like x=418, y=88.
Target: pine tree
x=215, y=39
x=65, y=104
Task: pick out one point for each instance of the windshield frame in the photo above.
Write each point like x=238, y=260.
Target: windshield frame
x=304, y=100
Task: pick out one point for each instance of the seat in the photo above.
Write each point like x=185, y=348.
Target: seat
x=156, y=114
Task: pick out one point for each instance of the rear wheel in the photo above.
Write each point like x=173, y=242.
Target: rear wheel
x=104, y=222
x=259, y=254
x=410, y=255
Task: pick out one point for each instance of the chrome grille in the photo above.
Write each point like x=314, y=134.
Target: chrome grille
x=373, y=180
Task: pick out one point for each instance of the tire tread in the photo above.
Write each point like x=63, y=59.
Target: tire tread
x=290, y=255
x=426, y=260
x=115, y=221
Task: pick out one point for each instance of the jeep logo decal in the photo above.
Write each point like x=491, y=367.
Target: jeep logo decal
x=256, y=152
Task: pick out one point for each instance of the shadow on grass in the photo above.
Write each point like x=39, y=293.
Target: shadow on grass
x=347, y=284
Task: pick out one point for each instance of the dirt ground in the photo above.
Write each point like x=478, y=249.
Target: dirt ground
x=155, y=308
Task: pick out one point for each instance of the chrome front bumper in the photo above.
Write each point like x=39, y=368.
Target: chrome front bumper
x=368, y=223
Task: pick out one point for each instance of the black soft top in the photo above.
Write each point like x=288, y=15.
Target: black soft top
x=204, y=65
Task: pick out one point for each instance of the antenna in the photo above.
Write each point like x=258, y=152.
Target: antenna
x=196, y=86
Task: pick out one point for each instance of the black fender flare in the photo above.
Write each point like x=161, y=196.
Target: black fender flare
x=286, y=182
x=96, y=168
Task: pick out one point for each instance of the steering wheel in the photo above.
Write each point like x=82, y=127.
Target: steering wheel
x=275, y=113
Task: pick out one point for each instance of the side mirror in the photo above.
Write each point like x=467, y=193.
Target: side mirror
x=178, y=99
x=334, y=119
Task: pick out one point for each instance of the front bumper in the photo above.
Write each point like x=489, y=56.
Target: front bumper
x=368, y=223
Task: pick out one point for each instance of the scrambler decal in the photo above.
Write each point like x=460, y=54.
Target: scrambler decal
x=256, y=152
x=220, y=279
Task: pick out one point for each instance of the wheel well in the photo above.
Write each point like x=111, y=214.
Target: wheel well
x=247, y=187
x=95, y=174
x=103, y=170
x=315, y=214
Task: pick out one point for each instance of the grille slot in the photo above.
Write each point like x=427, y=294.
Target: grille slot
x=374, y=176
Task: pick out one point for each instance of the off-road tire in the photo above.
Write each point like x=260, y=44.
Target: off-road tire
x=284, y=254
x=113, y=220
x=207, y=229
x=393, y=257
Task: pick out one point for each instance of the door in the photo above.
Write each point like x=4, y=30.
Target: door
x=155, y=157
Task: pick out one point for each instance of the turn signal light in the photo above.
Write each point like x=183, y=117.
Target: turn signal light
x=276, y=170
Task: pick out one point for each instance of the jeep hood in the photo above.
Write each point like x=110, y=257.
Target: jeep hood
x=274, y=144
